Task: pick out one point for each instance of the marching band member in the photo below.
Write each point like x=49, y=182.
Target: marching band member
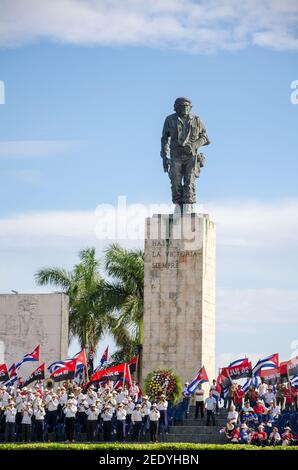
x=154, y=416
x=52, y=403
x=92, y=422
x=145, y=408
x=10, y=420
x=27, y=412
x=70, y=411
x=162, y=406
x=83, y=407
x=39, y=413
x=129, y=406
x=107, y=415
x=136, y=419
x=121, y=420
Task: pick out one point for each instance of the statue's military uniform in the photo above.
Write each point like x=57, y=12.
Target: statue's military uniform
x=181, y=139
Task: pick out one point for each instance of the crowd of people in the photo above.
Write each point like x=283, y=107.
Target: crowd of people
x=70, y=413
x=265, y=415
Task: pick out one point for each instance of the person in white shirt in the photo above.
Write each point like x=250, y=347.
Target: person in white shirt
x=4, y=396
x=145, y=408
x=52, y=403
x=26, y=422
x=262, y=390
x=107, y=416
x=92, y=422
x=199, y=401
x=134, y=391
x=129, y=406
x=62, y=398
x=83, y=408
x=121, y=394
x=162, y=406
x=154, y=416
x=269, y=396
x=273, y=411
x=136, y=419
x=121, y=420
x=10, y=422
x=39, y=413
x=232, y=415
x=275, y=437
x=210, y=406
x=70, y=411
x=91, y=396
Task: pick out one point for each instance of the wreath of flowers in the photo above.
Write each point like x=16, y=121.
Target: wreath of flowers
x=163, y=381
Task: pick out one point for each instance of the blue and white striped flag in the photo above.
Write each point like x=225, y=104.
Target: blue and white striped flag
x=294, y=380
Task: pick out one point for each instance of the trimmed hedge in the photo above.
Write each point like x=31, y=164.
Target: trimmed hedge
x=159, y=446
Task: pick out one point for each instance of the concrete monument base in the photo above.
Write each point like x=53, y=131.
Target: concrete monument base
x=179, y=296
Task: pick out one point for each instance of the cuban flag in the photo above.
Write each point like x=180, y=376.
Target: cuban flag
x=199, y=379
x=13, y=377
x=81, y=358
x=255, y=381
x=239, y=362
x=269, y=362
x=32, y=357
x=103, y=360
x=57, y=365
x=294, y=381
x=81, y=365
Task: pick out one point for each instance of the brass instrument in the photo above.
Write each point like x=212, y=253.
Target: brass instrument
x=49, y=384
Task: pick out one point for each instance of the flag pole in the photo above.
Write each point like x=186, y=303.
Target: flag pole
x=123, y=380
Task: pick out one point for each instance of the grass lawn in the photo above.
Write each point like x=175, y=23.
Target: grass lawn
x=144, y=446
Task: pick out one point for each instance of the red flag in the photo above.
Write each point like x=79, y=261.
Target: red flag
x=4, y=375
x=112, y=373
x=127, y=376
x=67, y=372
x=133, y=364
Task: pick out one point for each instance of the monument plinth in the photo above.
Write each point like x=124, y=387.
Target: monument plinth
x=179, y=295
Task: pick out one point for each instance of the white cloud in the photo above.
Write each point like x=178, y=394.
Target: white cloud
x=35, y=148
x=186, y=25
x=253, y=224
x=47, y=229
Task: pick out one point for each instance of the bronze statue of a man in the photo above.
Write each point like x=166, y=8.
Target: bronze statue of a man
x=183, y=134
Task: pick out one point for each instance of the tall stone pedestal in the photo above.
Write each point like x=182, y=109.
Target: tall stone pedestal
x=179, y=298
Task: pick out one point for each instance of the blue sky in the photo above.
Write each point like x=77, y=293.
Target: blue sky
x=81, y=125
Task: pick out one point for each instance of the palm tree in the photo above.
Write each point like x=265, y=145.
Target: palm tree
x=88, y=319
x=123, y=295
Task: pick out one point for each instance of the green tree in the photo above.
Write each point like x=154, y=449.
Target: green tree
x=89, y=320
x=124, y=294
